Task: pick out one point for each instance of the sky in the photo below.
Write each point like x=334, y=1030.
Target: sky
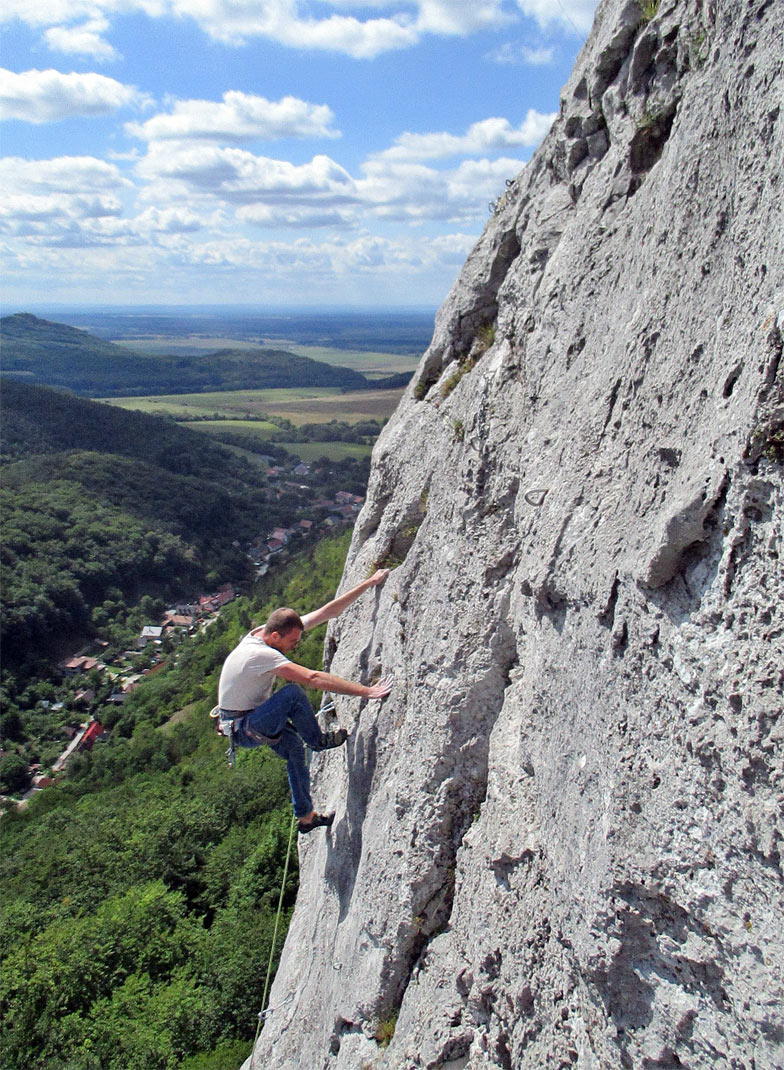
x=278, y=153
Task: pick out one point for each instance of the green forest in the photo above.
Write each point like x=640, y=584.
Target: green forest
x=57, y=355
x=138, y=898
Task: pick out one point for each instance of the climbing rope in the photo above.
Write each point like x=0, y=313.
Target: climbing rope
x=327, y=706
x=263, y=1013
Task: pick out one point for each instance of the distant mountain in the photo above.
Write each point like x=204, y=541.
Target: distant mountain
x=54, y=354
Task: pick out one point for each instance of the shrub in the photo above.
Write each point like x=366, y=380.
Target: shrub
x=385, y=1030
x=648, y=9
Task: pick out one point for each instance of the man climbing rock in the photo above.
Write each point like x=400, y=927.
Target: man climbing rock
x=251, y=715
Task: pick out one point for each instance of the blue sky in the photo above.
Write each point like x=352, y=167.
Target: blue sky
x=269, y=152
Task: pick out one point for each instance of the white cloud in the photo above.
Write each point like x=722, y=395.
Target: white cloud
x=170, y=267
x=413, y=191
x=49, y=96
x=83, y=40
x=453, y=248
x=69, y=198
x=263, y=192
x=199, y=199
x=516, y=53
x=480, y=180
x=61, y=12
x=236, y=21
x=458, y=17
x=486, y=135
x=172, y=221
x=575, y=15
x=240, y=177
x=23, y=208
x=53, y=214
x=78, y=26
x=266, y=192
x=293, y=216
x=66, y=174
x=310, y=261
x=417, y=193
x=240, y=117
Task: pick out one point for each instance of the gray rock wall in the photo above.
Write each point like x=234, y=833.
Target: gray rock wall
x=558, y=842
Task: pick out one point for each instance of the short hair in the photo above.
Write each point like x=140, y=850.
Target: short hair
x=283, y=621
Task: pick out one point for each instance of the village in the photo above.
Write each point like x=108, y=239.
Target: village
x=158, y=640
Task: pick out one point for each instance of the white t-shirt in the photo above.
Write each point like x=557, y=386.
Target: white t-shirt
x=248, y=674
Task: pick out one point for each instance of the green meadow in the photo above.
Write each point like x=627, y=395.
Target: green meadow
x=306, y=451
x=258, y=428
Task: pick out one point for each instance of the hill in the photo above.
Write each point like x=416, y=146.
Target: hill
x=54, y=354
x=39, y=420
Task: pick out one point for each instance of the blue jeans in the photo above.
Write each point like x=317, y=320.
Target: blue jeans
x=287, y=713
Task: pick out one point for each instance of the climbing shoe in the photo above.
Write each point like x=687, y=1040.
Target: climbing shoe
x=332, y=739
x=316, y=822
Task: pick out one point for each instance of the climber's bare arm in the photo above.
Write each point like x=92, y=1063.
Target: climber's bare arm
x=337, y=605
x=327, y=681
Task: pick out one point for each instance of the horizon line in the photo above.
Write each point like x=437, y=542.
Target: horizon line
x=16, y=308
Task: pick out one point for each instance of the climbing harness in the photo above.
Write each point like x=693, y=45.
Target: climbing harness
x=225, y=727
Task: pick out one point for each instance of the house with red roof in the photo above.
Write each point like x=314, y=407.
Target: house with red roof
x=94, y=732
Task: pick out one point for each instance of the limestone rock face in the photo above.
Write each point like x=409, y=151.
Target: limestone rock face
x=559, y=841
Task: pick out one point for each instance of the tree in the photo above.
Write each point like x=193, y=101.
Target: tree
x=14, y=775
x=11, y=726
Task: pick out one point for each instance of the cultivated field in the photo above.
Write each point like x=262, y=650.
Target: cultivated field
x=301, y=405
x=373, y=365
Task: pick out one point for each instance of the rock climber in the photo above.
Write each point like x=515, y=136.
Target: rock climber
x=251, y=715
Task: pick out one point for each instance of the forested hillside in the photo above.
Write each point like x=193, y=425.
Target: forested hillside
x=138, y=899
x=127, y=504
x=57, y=355
x=37, y=419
